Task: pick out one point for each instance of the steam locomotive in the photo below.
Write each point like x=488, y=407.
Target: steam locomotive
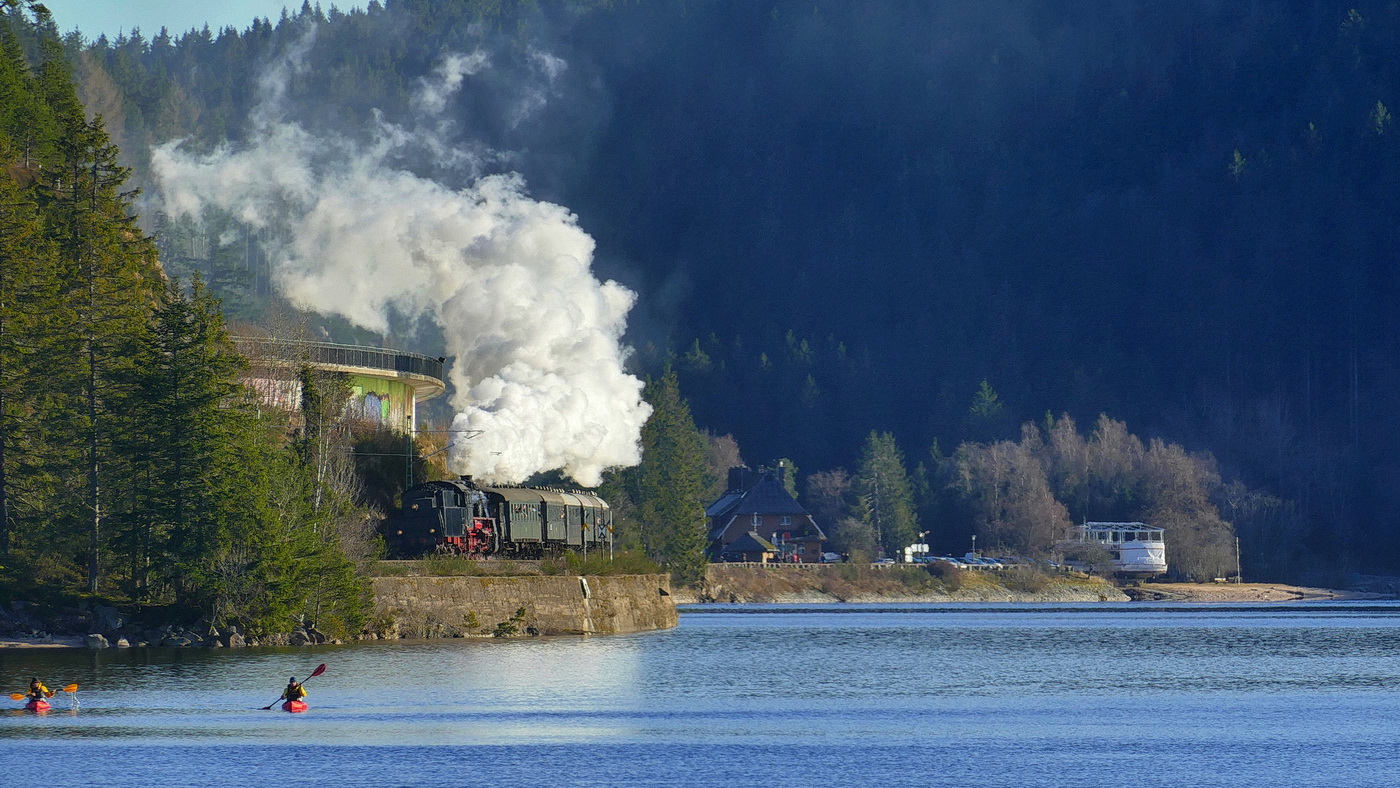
x=459, y=517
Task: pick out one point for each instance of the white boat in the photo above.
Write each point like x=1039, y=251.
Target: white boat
x=1136, y=548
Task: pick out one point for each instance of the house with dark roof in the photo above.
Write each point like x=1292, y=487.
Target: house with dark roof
x=756, y=519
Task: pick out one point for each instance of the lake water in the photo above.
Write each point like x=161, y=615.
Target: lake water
x=826, y=695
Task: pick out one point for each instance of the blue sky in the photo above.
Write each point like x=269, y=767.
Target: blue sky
x=94, y=17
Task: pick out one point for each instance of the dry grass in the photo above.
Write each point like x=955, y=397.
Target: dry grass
x=845, y=582
x=595, y=565
x=841, y=581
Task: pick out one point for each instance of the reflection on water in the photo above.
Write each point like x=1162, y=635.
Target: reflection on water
x=1111, y=695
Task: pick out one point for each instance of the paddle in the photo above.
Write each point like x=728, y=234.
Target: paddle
x=22, y=695
x=318, y=671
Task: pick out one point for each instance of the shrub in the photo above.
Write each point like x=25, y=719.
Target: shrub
x=914, y=577
x=1026, y=581
x=450, y=566
x=510, y=626
x=949, y=575
x=623, y=563
x=851, y=572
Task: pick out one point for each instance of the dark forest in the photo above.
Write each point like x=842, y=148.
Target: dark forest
x=844, y=217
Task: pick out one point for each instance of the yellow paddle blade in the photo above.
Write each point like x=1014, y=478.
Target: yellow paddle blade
x=17, y=696
x=71, y=688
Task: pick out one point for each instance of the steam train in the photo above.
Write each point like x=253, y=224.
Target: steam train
x=459, y=517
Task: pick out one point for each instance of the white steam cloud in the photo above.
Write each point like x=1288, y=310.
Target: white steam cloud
x=536, y=337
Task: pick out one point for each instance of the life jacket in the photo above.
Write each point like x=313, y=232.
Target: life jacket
x=39, y=691
x=294, y=692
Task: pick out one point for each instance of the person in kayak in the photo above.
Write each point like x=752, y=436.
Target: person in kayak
x=294, y=691
x=37, y=690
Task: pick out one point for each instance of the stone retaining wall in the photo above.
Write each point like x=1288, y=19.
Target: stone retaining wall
x=421, y=607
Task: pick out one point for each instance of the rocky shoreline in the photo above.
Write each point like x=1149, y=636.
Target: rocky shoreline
x=1244, y=592
x=1067, y=592
x=1172, y=592
x=405, y=607
x=762, y=585
x=26, y=625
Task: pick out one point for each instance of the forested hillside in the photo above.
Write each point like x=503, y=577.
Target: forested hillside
x=843, y=217
x=133, y=465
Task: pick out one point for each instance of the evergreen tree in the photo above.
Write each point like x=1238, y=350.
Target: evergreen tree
x=106, y=267
x=884, y=494
x=27, y=285
x=180, y=439
x=670, y=483
x=789, y=474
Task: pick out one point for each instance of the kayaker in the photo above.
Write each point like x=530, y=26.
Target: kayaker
x=294, y=691
x=37, y=690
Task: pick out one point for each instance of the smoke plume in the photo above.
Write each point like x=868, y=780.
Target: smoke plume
x=539, y=361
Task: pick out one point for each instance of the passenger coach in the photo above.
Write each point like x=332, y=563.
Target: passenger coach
x=459, y=517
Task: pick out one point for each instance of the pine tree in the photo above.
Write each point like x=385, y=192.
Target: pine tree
x=27, y=284
x=180, y=433
x=670, y=483
x=107, y=265
x=885, y=495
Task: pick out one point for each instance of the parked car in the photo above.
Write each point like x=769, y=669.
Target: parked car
x=883, y=561
x=832, y=558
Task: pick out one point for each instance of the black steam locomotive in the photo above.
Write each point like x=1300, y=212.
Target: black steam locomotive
x=459, y=517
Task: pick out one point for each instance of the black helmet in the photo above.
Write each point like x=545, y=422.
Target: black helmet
x=292, y=680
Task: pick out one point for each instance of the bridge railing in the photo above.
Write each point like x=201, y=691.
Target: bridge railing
x=296, y=350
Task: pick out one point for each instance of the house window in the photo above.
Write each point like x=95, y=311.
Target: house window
x=785, y=520
x=758, y=519
x=802, y=549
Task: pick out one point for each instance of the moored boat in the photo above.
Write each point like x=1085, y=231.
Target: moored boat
x=294, y=705
x=1134, y=548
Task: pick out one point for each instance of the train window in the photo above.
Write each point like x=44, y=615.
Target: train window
x=1130, y=537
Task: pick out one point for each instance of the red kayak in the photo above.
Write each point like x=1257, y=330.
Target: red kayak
x=40, y=705
x=291, y=705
